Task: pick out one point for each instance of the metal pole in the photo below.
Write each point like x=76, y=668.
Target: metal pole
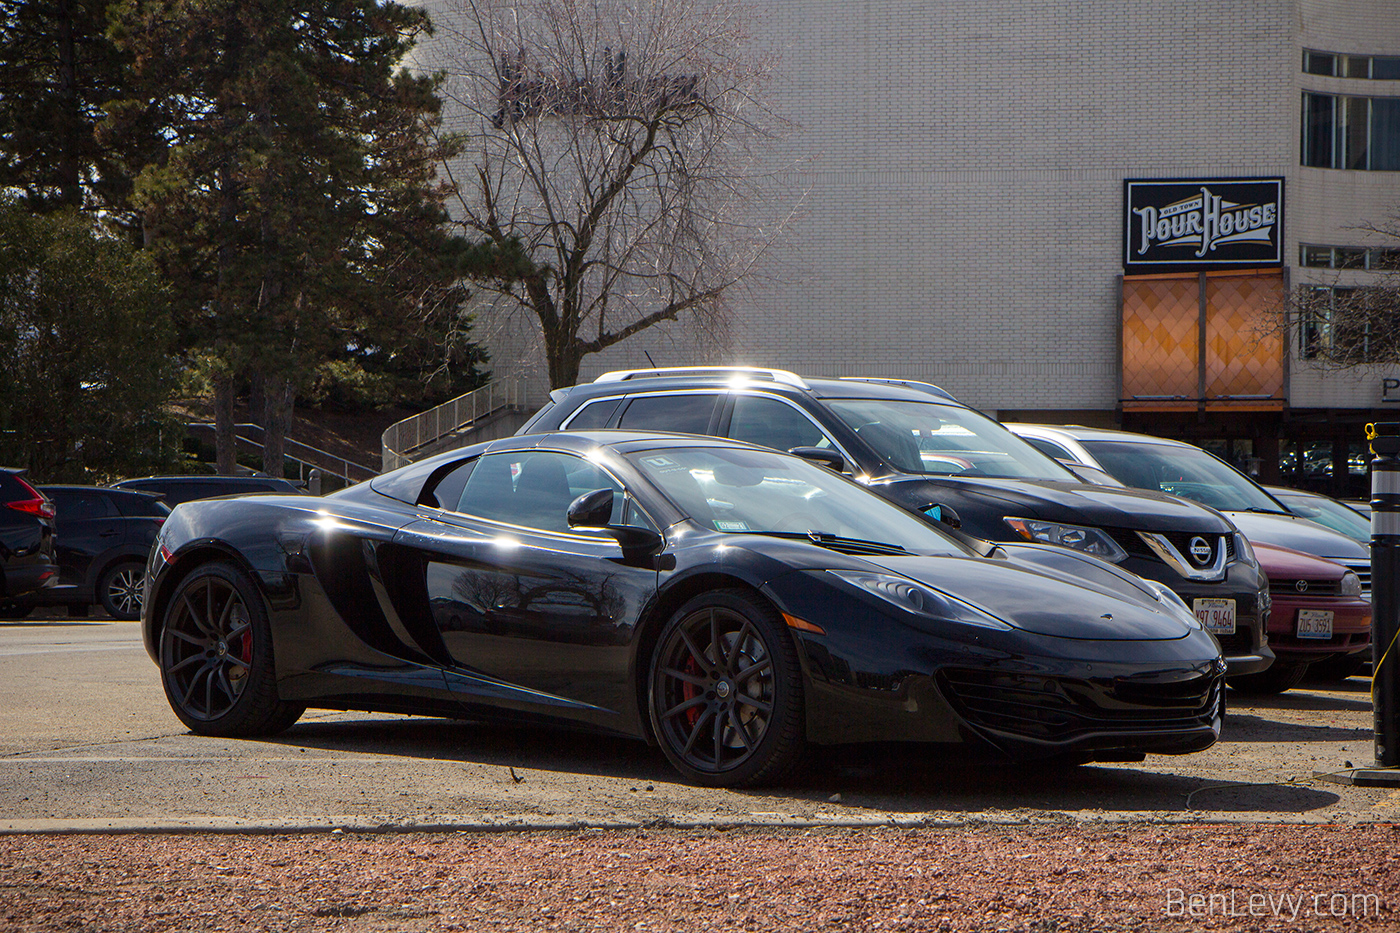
x=1385, y=587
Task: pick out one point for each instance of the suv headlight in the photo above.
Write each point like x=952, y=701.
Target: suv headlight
x=1078, y=537
x=917, y=599
x=1243, y=550
x=1350, y=585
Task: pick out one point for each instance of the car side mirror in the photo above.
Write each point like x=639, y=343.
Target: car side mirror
x=823, y=456
x=592, y=510
x=942, y=513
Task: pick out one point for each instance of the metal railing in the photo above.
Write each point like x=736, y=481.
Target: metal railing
x=305, y=456
x=402, y=438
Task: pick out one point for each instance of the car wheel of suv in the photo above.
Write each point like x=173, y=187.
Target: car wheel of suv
x=122, y=589
x=216, y=657
x=726, y=692
x=15, y=610
x=1276, y=678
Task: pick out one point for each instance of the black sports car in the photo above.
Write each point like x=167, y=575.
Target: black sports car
x=728, y=602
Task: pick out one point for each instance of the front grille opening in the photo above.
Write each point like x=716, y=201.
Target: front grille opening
x=1058, y=709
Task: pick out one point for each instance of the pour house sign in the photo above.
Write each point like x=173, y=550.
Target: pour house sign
x=1210, y=223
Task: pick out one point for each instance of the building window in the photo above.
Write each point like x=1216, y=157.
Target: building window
x=1331, y=65
x=1361, y=133
x=1313, y=256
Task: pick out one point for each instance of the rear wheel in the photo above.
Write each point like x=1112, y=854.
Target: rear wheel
x=15, y=610
x=1276, y=678
x=216, y=657
x=122, y=589
x=725, y=692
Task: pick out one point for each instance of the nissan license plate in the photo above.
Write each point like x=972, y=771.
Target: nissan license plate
x=1314, y=623
x=1217, y=616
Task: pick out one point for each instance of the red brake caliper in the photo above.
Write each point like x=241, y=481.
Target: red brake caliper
x=691, y=691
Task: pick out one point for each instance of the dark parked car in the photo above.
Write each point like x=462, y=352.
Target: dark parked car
x=728, y=602
x=102, y=540
x=918, y=447
x=26, y=541
x=177, y=489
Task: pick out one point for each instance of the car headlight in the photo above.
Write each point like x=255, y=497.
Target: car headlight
x=1089, y=540
x=1243, y=550
x=1168, y=597
x=917, y=599
x=1350, y=585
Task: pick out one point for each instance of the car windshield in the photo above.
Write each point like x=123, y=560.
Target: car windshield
x=1328, y=512
x=1185, y=471
x=924, y=437
x=756, y=492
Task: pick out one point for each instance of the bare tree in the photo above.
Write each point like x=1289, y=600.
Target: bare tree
x=1350, y=317
x=612, y=171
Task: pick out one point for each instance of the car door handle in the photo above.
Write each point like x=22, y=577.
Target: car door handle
x=108, y=534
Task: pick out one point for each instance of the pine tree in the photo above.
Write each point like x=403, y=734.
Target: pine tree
x=296, y=208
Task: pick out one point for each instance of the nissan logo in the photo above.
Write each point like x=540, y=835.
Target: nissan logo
x=1200, y=550
x=1301, y=586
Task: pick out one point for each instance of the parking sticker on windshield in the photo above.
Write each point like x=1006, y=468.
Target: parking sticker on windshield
x=658, y=461
x=731, y=526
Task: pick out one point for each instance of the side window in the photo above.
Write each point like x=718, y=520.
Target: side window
x=134, y=506
x=534, y=489
x=1050, y=449
x=684, y=414
x=594, y=415
x=771, y=423
x=79, y=506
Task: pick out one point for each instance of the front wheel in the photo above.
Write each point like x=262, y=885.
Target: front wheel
x=725, y=692
x=216, y=656
x=122, y=589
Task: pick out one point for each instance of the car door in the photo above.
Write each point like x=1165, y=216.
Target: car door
x=533, y=615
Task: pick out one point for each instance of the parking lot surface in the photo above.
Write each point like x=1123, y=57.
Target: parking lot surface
x=87, y=742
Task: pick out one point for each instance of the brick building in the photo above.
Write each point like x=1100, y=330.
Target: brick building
x=964, y=166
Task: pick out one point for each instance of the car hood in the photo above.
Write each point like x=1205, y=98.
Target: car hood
x=1300, y=535
x=1076, y=503
x=1047, y=594
x=1282, y=563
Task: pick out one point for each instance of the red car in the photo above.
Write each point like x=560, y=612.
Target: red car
x=1318, y=615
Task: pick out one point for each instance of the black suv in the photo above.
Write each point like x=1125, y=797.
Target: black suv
x=26, y=541
x=103, y=539
x=177, y=489
x=919, y=447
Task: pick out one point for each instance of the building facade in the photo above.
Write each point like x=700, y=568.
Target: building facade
x=964, y=169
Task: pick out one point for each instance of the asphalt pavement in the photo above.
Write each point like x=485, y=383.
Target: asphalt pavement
x=87, y=742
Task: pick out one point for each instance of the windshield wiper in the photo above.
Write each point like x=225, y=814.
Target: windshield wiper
x=835, y=542
x=1259, y=511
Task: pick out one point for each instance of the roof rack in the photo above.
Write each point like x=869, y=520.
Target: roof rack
x=674, y=372
x=928, y=387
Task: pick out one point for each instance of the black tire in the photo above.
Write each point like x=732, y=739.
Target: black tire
x=216, y=656
x=1336, y=669
x=1276, y=678
x=122, y=588
x=734, y=717
x=15, y=611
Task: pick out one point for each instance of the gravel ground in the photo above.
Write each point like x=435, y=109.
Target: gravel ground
x=1039, y=878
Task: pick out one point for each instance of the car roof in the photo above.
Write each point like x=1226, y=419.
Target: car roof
x=781, y=381
x=78, y=487
x=1080, y=433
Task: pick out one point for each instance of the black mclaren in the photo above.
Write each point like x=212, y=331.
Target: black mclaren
x=729, y=603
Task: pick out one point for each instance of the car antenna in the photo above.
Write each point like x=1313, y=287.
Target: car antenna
x=649, y=359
